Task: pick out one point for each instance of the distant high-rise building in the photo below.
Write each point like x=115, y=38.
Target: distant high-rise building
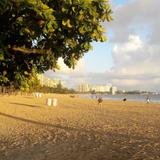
x=83, y=88
x=96, y=88
x=113, y=90
x=101, y=88
x=45, y=81
x=107, y=88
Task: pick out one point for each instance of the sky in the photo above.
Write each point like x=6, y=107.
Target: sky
x=130, y=59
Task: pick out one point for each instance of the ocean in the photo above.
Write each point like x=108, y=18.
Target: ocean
x=129, y=97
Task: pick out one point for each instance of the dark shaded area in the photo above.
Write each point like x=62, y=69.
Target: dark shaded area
x=115, y=134
x=119, y=139
x=26, y=105
x=44, y=124
x=28, y=97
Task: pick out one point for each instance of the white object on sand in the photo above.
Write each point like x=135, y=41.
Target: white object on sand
x=49, y=102
x=40, y=95
x=52, y=102
x=37, y=95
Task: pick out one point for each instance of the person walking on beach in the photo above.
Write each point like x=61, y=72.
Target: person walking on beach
x=124, y=99
x=148, y=99
x=100, y=100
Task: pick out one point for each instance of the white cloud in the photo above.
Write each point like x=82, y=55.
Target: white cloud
x=136, y=40
x=123, y=53
x=136, y=64
x=80, y=67
x=70, y=76
x=136, y=13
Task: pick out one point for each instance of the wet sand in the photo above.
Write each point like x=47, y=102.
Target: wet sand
x=78, y=129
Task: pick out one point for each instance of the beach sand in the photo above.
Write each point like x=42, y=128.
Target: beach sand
x=78, y=129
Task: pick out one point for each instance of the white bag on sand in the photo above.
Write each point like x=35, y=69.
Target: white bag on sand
x=52, y=102
x=40, y=95
x=49, y=102
x=37, y=95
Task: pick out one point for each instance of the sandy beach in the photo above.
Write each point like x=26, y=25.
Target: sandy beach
x=78, y=129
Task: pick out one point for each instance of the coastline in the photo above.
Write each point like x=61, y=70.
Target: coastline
x=120, y=97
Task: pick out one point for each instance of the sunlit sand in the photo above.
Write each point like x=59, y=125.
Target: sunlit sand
x=78, y=129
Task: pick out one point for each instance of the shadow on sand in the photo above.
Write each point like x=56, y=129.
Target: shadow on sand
x=26, y=105
x=43, y=123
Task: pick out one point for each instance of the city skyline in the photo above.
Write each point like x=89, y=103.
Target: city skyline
x=86, y=88
x=130, y=57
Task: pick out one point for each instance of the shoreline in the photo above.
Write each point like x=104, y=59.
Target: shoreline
x=120, y=97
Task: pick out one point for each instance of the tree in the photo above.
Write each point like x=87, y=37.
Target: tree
x=3, y=5
x=35, y=33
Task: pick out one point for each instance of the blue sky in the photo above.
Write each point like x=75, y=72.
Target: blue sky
x=100, y=58
x=130, y=58
x=119, y=2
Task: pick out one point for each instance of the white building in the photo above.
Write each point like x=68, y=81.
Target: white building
x=83, y=88
x=107, y=88
x=101, y=88
x=45, y=81
x=113, y=90
x=97, y=88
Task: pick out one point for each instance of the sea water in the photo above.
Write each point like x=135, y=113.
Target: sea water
x=129, y=97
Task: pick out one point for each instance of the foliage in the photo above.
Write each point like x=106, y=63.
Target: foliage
x=3, y=5
x=35, y=33
x=46, y=89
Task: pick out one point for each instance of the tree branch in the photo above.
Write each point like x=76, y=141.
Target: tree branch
x=30, y=51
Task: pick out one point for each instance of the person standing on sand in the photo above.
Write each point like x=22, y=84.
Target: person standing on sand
x=148, y=99
x=124, y=99
x=100, y=100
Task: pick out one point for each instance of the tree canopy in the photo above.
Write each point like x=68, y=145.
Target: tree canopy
x=34, y=34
